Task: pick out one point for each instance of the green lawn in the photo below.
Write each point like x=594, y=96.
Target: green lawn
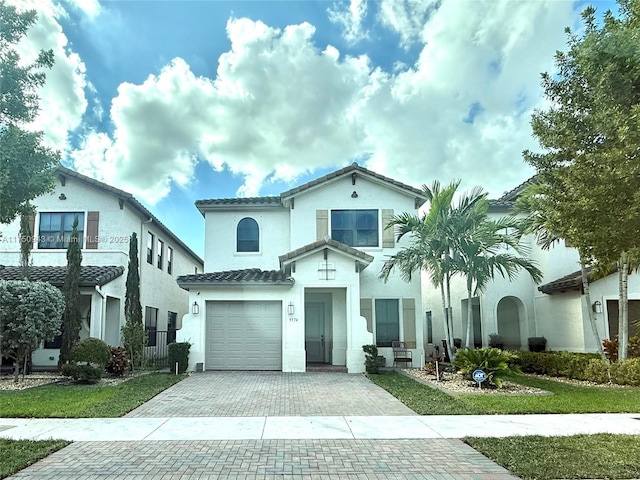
x=566, y=398
x=581, y=456
x=18, y=454
x=68, y=401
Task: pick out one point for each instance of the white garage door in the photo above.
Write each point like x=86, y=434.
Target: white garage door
x=244, y=336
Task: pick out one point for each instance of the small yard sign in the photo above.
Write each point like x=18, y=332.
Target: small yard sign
x=479, y=376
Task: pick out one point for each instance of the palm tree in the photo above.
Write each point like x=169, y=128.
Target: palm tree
x=433, y=238
x=480, y=257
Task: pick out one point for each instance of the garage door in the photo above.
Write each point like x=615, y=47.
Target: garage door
x=244, y=336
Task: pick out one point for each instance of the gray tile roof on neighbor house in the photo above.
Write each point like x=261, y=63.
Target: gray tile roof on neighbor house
x=247, y=276
x=355, y=168
x=127, y=197
x=363, y=258
x=90, y=275
x=572, y=281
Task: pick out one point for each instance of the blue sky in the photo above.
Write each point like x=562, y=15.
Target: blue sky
x=176, y=101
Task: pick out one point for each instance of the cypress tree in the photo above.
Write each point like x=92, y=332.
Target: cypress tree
x=133, y=334
x=71, y=292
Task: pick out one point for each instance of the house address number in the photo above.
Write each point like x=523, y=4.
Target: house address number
x=293, y=319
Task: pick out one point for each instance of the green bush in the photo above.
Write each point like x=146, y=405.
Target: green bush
x=626, y=372
x=371, y=364
x=494, y=362
x=118, y=362
x=179, y=353
x=556, y=364
x=93, y=351
x=82, y=373
x=597, y=370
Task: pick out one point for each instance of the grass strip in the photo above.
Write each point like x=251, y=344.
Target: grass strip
x=565, y=399
x=82, y=401
x=18, y=454
x=602, y=456
x=420, y=398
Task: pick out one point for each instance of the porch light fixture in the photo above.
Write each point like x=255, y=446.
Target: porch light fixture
x=290, y=308
x=195, y=308
x=354, y=194
x=597, y=306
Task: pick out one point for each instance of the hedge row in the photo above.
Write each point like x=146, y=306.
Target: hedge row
x=580, y=366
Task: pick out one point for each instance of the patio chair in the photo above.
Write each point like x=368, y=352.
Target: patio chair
x=401, y=354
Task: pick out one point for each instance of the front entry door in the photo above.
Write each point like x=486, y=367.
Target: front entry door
x=314, y=332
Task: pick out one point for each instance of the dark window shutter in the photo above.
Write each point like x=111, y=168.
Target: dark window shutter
x=93, y=220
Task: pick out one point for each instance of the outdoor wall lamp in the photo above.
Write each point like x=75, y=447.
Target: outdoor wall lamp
x=290, y=308
x=597, y=306
x=195, y=308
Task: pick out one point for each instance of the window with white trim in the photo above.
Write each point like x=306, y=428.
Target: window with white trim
x=248, y=235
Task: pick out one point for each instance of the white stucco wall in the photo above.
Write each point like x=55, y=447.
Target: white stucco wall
x=220, y=239
x=116, y=224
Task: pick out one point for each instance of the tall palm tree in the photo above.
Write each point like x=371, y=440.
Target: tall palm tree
x=480, y=257
x=432, y=241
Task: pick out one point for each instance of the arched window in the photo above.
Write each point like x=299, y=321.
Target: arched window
x=248, y=235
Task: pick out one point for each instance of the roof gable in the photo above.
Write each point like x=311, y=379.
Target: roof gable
x=354, y=171
x=362, y=258
x=126, y=197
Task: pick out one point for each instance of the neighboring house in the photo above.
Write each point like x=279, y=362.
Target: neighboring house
x=292, y=281
x=107, y=217
x=520, y=309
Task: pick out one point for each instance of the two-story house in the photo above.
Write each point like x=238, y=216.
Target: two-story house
x=293, y=280
x=519, y=309
x=107, y=217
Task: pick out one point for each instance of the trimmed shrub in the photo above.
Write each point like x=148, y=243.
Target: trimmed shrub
x=179, y=353
x=556, y=364
x=537, y=344
x=371, y=364
x=119, y=362
x=494, y=362
x=82, y=373
x=597, y=371
x=91, y=350
x=626, y=372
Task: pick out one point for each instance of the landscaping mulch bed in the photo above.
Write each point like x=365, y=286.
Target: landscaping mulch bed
x=456, y=384
x=45, y=378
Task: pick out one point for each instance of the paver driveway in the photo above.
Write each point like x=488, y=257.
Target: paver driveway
x=256, y=394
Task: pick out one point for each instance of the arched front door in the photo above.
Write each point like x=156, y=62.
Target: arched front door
x=509, y=309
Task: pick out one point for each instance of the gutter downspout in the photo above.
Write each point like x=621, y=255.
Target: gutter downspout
x=102, y=314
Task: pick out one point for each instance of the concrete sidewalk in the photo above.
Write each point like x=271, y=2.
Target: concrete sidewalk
x=315, y=427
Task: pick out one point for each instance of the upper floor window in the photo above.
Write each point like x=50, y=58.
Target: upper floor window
x=169, y=260
x=150, y=242
x=356, y=228
x=55, y=229
x=248, y=235
x=160, y=254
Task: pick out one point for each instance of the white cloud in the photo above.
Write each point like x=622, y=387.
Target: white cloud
x=484, y=53
x=62, y=98
x=278, y=106
x=281, y=106
x=91, y=8
x=351, y=18
x=407, y=18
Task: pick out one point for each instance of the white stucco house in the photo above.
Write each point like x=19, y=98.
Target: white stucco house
x=517, y=310
x=292, y=281
x=107, y=217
